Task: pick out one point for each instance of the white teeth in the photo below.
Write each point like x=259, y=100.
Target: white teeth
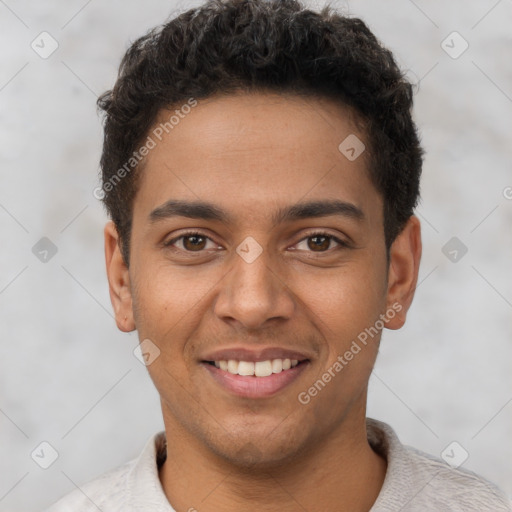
x=263, y=368
x=233, y=367
x=245, y=368
x=259, y=369
x=277, y=366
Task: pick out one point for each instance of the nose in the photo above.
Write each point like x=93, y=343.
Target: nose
x=253, y=293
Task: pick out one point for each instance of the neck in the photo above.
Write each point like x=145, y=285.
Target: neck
x=340, y=472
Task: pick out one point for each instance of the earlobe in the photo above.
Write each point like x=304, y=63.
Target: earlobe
x=118, y=280
x=405, y=256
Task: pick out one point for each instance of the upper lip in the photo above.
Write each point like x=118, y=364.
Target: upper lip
x=254, y=355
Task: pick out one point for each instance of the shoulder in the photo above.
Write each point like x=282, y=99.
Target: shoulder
x=106, y=493
x=455, y=489
x=125, y=489
x=417, y=481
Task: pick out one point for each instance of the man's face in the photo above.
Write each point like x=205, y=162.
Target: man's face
x=258, y=280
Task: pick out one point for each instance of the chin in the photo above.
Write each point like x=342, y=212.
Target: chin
x=257, y=451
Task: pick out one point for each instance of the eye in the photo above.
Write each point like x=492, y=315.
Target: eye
x=320, y=242
x=195, y=241
x=191, y=242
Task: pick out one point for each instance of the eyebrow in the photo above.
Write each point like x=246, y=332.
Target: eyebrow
x=209, y=211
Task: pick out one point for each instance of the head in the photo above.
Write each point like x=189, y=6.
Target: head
x=260, y=127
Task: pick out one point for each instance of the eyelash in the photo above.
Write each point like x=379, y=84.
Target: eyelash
x=341, y=243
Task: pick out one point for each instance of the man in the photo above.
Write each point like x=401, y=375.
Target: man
x=261, y=169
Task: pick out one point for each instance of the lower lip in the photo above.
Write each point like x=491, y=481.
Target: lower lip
x=255, y=387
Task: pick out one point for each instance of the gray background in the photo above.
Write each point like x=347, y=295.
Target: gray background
x=69, y=378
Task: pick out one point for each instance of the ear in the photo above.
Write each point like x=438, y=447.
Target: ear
x=118, y=280
x=405, y=255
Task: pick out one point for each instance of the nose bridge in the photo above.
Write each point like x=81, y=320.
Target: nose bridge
x=254, y=277
x=252, y=292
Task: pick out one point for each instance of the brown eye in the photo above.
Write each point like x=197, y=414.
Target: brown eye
x=194, y=242
x=319, y=243
x=191, y=242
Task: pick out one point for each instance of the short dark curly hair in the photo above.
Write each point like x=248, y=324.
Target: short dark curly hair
x=228, y=46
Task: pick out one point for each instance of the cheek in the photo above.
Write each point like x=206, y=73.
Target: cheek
x=345, y=300
x=167, y=310
x=164, y=295
x=345, y=313
x=170, y=306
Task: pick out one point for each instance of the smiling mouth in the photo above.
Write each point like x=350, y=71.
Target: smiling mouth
x=255, y=379
x=258, y=368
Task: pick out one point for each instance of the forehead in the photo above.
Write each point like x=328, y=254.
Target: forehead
x=256, y=151
x=224, y=125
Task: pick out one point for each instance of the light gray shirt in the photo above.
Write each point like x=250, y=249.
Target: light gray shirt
x=414, y=482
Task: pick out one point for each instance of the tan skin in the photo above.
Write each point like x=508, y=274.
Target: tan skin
x=252, y=154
